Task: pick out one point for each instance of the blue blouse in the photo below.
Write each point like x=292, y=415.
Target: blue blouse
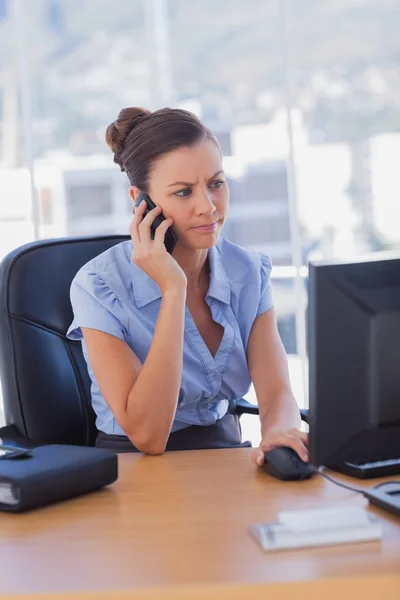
x=112, y=294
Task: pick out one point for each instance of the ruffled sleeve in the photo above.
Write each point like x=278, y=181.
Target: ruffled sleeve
x=95, y=306
x=265, y=302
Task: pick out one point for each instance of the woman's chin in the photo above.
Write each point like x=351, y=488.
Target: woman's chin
x=205, y=243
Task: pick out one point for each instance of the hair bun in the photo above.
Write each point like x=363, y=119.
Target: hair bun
x=119, y=130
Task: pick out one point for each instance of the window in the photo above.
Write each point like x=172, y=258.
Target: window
x=46, y=206
x=225, y=61
x=88, y=200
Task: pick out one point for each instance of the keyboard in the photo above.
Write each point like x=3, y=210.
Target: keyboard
x=378, y=468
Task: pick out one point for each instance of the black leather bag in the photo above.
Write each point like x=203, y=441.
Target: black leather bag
x=53, y=473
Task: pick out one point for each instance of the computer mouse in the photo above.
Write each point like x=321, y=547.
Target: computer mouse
x=284, y=463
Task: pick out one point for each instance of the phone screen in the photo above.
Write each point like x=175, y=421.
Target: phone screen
x=170, y=239
x=3, y=451
x=11, y=452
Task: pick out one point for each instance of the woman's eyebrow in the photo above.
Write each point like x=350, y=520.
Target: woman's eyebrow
x=185, y=183
x=188, y=184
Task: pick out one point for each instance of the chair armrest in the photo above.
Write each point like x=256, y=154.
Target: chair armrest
x=9, y=436
x=304, y=415
x=244, y=407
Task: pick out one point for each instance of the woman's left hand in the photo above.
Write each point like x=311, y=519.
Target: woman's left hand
x=293, y=438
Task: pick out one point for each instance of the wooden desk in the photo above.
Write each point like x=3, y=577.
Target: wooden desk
x=175, y=527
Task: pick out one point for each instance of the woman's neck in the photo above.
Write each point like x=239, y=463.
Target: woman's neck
x=194, y=263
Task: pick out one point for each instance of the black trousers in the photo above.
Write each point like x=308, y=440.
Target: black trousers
x=226, y=433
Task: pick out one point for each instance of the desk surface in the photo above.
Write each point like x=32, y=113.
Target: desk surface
x=175, y=526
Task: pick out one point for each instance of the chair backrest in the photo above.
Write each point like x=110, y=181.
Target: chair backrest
x=45, y=383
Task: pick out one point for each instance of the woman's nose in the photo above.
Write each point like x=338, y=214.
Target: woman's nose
x=205, y=204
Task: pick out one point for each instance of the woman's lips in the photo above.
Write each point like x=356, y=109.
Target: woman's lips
x=209, y=227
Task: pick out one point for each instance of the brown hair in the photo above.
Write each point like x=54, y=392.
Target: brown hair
x=139, y=137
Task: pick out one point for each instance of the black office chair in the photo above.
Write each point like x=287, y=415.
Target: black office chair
x=45, y=383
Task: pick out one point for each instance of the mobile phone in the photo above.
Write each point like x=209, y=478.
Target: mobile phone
x=13, y=452
x=170, y=235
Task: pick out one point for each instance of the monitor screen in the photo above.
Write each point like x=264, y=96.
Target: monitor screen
x=354, y=360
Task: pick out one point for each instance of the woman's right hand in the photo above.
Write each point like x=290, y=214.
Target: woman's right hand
x=151, y=255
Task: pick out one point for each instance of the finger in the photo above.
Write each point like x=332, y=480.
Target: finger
x=139, y=211
x=304, y=438
x=258, y=457
x=137, y=218
x=144, y=228
x=161, y=230
x=134, y=231
x=297, y=445
x=149, y=218
x=302, y=435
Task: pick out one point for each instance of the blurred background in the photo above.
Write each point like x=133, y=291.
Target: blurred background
x=303, y=95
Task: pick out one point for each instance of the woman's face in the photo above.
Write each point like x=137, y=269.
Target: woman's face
x=190, y=186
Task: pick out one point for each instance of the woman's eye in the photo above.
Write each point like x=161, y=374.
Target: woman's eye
x=217, y=184
x=183, y=193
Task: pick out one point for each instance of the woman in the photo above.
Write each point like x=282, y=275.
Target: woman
x=170, y=339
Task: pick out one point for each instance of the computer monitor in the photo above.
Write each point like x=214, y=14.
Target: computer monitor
x=354, y=361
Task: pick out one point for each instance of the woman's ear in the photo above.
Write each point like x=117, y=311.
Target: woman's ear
x=134, y=192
